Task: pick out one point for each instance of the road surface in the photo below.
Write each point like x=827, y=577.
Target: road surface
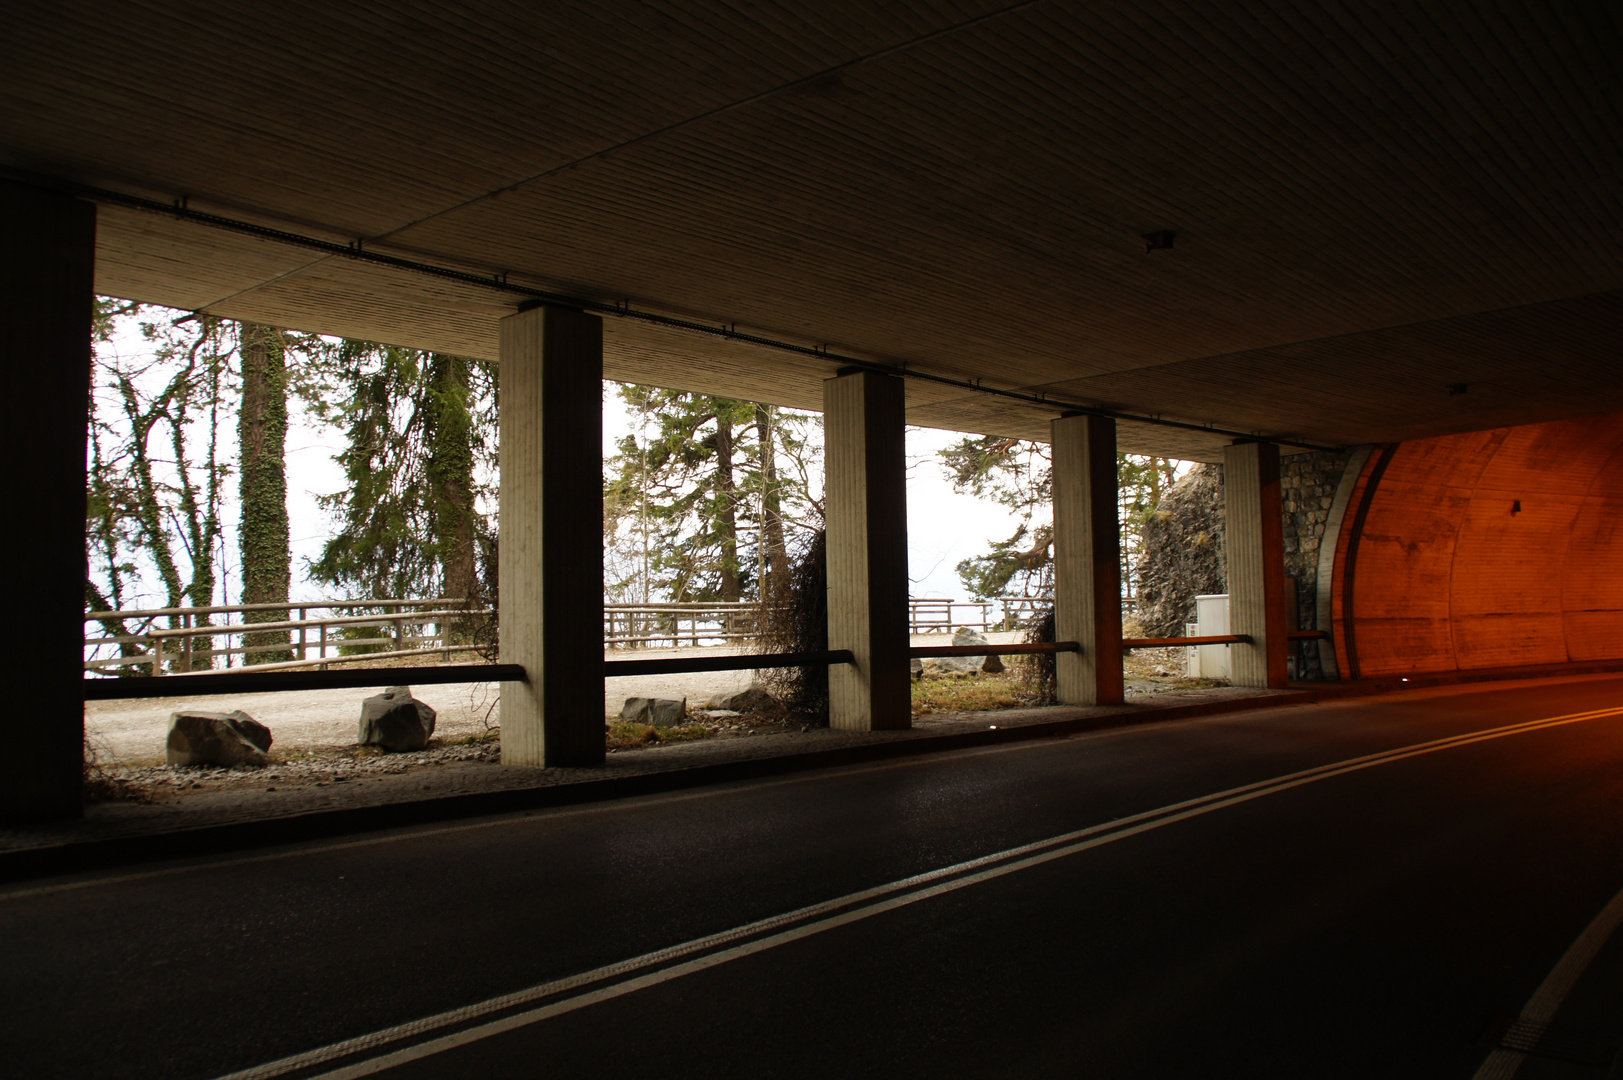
x=1375, y=887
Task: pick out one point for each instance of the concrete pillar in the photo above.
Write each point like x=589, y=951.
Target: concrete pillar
x=47, y=292
x=551, y=554
x=1256, y=563
x=1087, y=560
x=865, y=502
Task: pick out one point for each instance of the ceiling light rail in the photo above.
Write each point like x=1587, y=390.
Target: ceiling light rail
x=355, y=249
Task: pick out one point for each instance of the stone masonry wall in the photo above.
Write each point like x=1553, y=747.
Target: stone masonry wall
x=1307, y=487
x=1183, y=546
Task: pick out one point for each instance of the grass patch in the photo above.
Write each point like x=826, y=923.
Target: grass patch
x=970, y=693
x=490, y=736
x=1194, y=684
x=628, y=735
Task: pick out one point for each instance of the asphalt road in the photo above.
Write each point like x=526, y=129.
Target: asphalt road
x=1149, y=902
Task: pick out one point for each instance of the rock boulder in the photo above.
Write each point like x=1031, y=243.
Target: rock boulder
x=395, y=721
x=752, y=700
x=208, y=738
x=661, y=712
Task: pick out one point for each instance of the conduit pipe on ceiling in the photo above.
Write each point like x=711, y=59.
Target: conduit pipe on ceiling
x=356, y=249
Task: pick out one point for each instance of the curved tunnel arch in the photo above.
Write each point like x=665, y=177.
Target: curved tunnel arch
x=1490, y=549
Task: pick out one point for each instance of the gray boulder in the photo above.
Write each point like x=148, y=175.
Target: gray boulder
x=916, y=668
x=395, y=721
x=952, y=665
x=209, y=738
x=969, y=664
x=752, y=700
x=661, y=712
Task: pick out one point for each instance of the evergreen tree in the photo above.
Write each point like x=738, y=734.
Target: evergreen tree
x=1019, y=475
x=697, y=508
x=417, y=424
x=452, y=439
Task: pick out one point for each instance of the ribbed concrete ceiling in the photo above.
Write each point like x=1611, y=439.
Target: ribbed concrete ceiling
x=1371, y=202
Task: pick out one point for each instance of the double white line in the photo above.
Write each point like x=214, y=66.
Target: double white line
x=540, y=1002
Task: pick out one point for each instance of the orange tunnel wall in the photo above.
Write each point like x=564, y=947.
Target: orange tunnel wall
x=1440, y=570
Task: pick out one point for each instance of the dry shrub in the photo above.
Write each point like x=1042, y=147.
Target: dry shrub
x=102, y=785
x=1038, y=670
x=795, y=619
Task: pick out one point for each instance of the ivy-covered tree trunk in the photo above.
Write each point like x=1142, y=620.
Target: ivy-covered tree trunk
x=267, y=562
x=451, y=487
x=727, y=507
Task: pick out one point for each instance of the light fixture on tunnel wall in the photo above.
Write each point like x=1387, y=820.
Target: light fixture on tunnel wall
x=1159, y=241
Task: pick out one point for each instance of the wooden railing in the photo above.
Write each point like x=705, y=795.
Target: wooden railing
x=670, y=625
x=188, y=644
x=179, y=640
x=942, y=615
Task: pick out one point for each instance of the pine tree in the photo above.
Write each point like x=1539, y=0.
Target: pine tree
x=417, y=425
x=702, y=502
x=1019, y=475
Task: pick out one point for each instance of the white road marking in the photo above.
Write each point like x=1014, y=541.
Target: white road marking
x=1502, y=1064
x=828, y=915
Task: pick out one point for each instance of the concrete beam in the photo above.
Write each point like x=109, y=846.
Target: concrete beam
x=47, y=292
x=551, y=554
x=1256, y=564
x=865, y=502
x=1087, y=560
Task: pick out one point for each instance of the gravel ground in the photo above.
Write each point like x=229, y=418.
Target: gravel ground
x=315, y=762
x=132, y=732
x=340, y=777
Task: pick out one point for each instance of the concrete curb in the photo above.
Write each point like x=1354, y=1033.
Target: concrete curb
x=107, y=852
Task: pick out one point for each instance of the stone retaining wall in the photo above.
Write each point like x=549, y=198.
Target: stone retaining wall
x=1307, y=487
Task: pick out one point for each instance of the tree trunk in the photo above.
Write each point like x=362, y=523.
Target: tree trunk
x=450, y=475
x=267, y=564
x=777, y=551
x=727, y=519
